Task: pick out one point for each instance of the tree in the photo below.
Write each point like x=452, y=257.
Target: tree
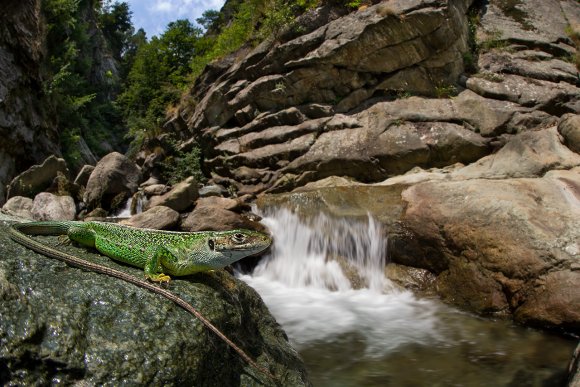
x=208, y=19
x=157, y=76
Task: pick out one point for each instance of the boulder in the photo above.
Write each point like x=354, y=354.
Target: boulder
x=84, y=174
x=212, y=190
x=179, y=198
x=18, y=206
x=155, y=190
x=37, y=178
x=47, y=206
x=569, y=128
x=157, y=218
x=114, y=175
x=73, y=326
x=502, y=246
x=236, y=205
x=218, y=214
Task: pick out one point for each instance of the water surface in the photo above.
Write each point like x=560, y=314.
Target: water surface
x=324, y=283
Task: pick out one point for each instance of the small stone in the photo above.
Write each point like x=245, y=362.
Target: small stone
x=157, y=218
x=47, y=206
x=19, y=206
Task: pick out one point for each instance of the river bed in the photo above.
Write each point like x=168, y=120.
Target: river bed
x=377, y=334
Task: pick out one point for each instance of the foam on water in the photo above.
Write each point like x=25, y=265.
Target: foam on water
x=305, y=283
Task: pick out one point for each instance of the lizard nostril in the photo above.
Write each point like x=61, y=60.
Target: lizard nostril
x=211, y=244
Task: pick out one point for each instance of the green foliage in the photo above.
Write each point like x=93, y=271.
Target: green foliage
x=208, y=19
x=353, y=3
x=445, y=91
x=253, y=21
x=78, y=88
x=157, y=77
x=182, y=165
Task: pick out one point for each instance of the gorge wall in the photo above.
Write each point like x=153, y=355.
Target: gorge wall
x=365, y=95
x=28, y=132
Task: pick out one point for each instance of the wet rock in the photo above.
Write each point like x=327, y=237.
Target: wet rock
x=569, y=128
x=114, y=174
x=157, y=218
x=73, y=326
x=418, y=280
x=502, y=246
x=37, y=178
x=179, y=198
x=18, y=206
x=47, y=206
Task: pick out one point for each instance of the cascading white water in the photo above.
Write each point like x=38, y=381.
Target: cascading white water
x=304, y=284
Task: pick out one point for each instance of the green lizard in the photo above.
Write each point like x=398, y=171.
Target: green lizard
x=157, y=252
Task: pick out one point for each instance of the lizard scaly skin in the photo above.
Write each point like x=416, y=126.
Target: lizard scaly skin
x=178, y=253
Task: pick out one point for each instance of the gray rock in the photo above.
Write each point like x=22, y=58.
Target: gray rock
x=574, y=369
x=179, y=198
x=529, y=154
x=27, y=127
x=390, y=147
x=542, y=95
x=212, y=190
x=217, y=214
x=37, y=178
x=84, y=174
x=157, y=218
x=569, y=128
x=155, y=189
x=533, y=22
x=113, y=175
x=47, y=206
x=77, y=327
x=18, y=206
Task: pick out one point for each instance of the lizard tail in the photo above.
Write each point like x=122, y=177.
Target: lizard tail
x=41, y=228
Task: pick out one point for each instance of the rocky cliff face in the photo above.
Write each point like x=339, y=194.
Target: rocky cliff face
x=485, y=94
x=356, y=95
x=28, y=133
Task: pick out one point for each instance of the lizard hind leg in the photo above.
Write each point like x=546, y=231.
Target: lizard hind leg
x=63, y=240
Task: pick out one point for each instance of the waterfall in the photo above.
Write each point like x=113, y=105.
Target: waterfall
x=318, y=254
x=324, y=281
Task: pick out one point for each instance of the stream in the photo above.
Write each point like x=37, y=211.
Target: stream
x=324, y=283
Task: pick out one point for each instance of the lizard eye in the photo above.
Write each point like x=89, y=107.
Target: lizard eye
x=211, y=244
x=239, y=237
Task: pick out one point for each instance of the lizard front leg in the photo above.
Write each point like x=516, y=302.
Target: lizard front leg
x=153, y=264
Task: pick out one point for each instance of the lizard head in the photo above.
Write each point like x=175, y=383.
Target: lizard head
x=228, y=247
